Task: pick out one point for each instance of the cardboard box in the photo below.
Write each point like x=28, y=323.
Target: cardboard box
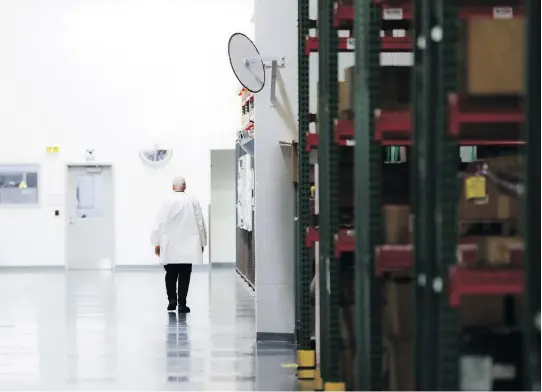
x=496, y=250
x=347, y=316
x=495, y=56
x=394, y=82
x=349, y=368
x=400, y=365
x=485, y=310
x=345, y=104
x=397, y=222
x=350, y=78
x=495, y=206
x=398, y=310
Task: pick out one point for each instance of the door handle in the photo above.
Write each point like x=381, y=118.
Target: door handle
x=72, y=221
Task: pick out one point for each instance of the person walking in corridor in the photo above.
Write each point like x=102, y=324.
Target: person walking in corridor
x=179, y=237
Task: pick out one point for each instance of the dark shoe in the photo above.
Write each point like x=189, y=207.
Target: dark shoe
x=184, y=309
x=171, y=307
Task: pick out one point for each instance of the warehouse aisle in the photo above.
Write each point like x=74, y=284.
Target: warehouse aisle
x=104, y=330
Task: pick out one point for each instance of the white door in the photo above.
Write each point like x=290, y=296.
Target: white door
x=89, y=232
x=222, y=220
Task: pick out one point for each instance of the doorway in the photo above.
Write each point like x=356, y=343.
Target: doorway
x=222, y=217
x=90, y=242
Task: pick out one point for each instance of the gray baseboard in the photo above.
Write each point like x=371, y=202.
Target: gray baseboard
x=223, y=265
x=275, y=337
x=32, y=268
x=118, y=268
x=157, y=267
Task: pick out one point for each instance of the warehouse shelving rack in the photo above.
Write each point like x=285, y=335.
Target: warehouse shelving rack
x=333, y=238
x=440, y=283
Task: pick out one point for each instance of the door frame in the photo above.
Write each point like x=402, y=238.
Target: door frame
x=67, y=167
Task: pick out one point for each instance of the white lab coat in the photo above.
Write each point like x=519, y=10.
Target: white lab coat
x=180, y=230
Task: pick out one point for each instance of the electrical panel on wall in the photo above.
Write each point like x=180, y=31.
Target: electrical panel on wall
x=245, y=192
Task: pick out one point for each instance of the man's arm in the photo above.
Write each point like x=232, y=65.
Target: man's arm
x=201, y=224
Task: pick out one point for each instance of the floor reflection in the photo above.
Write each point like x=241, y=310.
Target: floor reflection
x=104, y=330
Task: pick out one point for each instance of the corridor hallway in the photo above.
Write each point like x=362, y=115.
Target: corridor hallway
x=103, y=330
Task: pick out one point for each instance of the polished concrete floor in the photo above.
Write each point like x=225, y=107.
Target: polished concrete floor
x=109, y=330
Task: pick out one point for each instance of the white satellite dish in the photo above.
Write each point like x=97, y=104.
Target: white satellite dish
x=249, y=66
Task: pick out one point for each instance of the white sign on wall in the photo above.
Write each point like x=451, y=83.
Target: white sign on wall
x=89, y=155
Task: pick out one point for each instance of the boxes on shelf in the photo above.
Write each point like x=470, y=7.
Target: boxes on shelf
x=347, y=315
x=494, y=51
x=507, y=166
x=495, y=250
x=345, y=105
x=397, y=224
x=481, y=200
x=485, y=310
x=395, y=86
x=398, y=310
x=400, y=366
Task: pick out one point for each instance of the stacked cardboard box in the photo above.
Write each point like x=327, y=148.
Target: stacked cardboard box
x=494, y=56
x=396, y=224
x=482, y=200
x=398, y=335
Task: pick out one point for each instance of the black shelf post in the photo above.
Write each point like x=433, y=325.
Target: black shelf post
x=531, y=201
x=445, y=37
x=367, y=179
x=304, y=263
x=328, y=159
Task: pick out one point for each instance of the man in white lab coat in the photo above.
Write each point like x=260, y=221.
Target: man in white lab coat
x=179, y=237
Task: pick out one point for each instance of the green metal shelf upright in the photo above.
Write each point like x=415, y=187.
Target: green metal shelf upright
x=367, y=179
x=425, y=198
x=447, y=150
x=304, y=262
x=328, y=172
x=531, y=201
x=435, y=193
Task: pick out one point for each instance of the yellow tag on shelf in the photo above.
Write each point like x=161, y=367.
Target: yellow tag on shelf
x=475, y=187
x=22, y=185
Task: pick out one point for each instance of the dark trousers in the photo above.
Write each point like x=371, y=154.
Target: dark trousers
x=178, y=273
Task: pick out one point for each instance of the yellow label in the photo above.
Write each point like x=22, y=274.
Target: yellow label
x=22, y=185
x=475, y=187
x=52, y=149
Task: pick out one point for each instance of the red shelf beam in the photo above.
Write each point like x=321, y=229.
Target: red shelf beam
x=457, y=117
x=344, y=14
x=400, y=258
x=471, y=281
x=344, y=240
x=343, y=135
x=388, y=44
x=393, y=258
x=398, y=122
x=394, y=127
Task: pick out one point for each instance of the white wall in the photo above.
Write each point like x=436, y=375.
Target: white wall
x=223, y=217
x=114, y=76
x=275, y=34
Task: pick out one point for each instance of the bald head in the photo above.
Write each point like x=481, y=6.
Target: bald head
x=179, y=184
